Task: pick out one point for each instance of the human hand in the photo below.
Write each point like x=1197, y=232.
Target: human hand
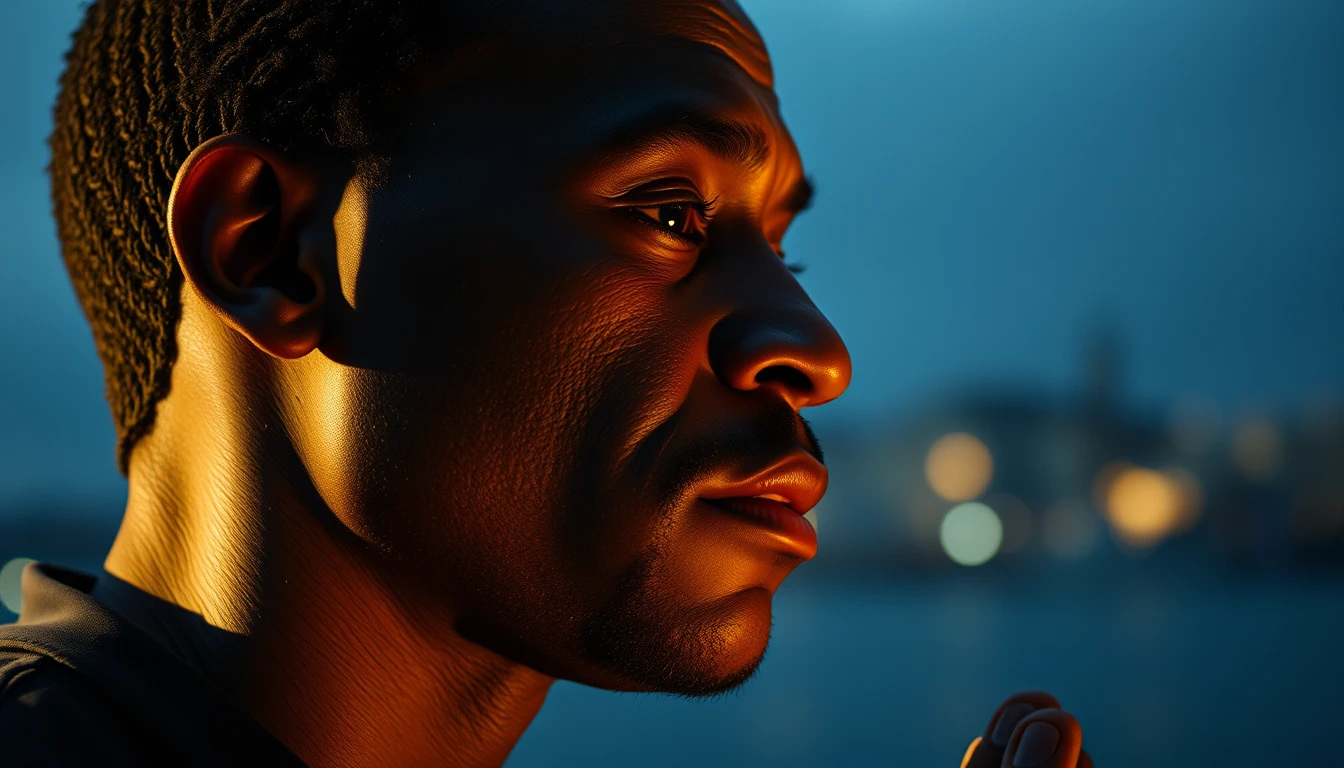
x=1029, y=730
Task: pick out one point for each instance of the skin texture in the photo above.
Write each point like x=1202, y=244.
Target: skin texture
x=435, y=442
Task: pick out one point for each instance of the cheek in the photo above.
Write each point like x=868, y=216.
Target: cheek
x=645, y=358
x=453, y=493
x=497, y=459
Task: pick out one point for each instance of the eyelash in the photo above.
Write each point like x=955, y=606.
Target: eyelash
x=704, y=210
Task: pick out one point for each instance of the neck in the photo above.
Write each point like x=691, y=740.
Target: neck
x=286, y=610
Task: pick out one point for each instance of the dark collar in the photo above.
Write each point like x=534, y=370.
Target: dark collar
x=185, y=711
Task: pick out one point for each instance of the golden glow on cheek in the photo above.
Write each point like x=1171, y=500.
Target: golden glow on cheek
x=350, y=222
x=332, y=418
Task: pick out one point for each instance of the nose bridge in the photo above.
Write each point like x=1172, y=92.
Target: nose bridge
x=777, y=338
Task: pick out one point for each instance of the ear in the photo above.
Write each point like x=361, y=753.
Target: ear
x=244, y=230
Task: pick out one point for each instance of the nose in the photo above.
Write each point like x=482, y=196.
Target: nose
x=791, y=348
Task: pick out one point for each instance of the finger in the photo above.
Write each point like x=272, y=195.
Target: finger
x=970, y=753
x=1084, y=760
x=987, y=751
x=1046, y=738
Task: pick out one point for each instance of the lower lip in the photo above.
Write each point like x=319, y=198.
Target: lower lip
x=786, y=527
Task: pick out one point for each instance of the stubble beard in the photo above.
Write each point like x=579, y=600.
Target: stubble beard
x=647, y=636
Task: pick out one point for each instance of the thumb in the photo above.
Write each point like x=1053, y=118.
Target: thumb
x=987, y=751
x=1046, y=738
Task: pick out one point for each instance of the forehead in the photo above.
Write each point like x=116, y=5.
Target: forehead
x=721, y=26
x=592, y=24
x=598, y=64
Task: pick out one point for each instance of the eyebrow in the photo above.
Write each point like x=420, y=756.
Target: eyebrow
x=734, y=141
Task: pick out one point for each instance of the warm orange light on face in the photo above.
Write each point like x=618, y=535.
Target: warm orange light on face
x=958, y=467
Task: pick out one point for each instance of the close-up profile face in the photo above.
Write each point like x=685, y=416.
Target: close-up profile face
x=460, y=359
x=559, y=386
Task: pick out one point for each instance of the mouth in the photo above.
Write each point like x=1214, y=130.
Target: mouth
x=774, y=500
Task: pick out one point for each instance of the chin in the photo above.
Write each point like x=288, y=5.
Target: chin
x=739, y=647
x=706, y=651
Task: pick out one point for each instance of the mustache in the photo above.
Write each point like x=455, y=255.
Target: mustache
x=772, y=433
x=813, y=444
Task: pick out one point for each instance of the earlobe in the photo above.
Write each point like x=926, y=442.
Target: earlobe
x=237, y=217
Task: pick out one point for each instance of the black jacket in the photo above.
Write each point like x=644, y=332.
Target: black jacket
x=81, y=685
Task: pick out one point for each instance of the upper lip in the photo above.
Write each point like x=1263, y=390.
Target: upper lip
x=797, y=478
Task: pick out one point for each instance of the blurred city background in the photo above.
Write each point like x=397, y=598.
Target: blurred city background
x=1089, y=261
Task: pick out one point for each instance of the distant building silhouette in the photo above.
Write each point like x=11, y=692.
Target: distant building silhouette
x=1056, y=462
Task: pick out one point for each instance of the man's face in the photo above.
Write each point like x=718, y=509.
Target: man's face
x=572, y=351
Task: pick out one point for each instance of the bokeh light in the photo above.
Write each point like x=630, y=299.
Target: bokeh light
x=11, y=583
x=959, y=467
x=971, y=533
x=1143, y=506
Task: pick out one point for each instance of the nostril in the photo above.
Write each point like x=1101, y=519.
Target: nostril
x=793, y=379
x=795, y=352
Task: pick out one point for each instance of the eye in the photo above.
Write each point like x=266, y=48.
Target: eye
x=675, y=216
x=686, y=219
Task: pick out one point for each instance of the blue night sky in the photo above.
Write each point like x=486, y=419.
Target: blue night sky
x=997, y=180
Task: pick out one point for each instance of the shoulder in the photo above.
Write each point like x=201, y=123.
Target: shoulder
x=31, y=681
x=51, y=715
x=15, y=665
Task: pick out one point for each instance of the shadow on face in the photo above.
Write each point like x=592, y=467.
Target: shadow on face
x=567, y=355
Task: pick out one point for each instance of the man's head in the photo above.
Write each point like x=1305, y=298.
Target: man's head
x=504, y=279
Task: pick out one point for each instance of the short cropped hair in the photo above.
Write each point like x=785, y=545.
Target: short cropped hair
x=145, y=82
